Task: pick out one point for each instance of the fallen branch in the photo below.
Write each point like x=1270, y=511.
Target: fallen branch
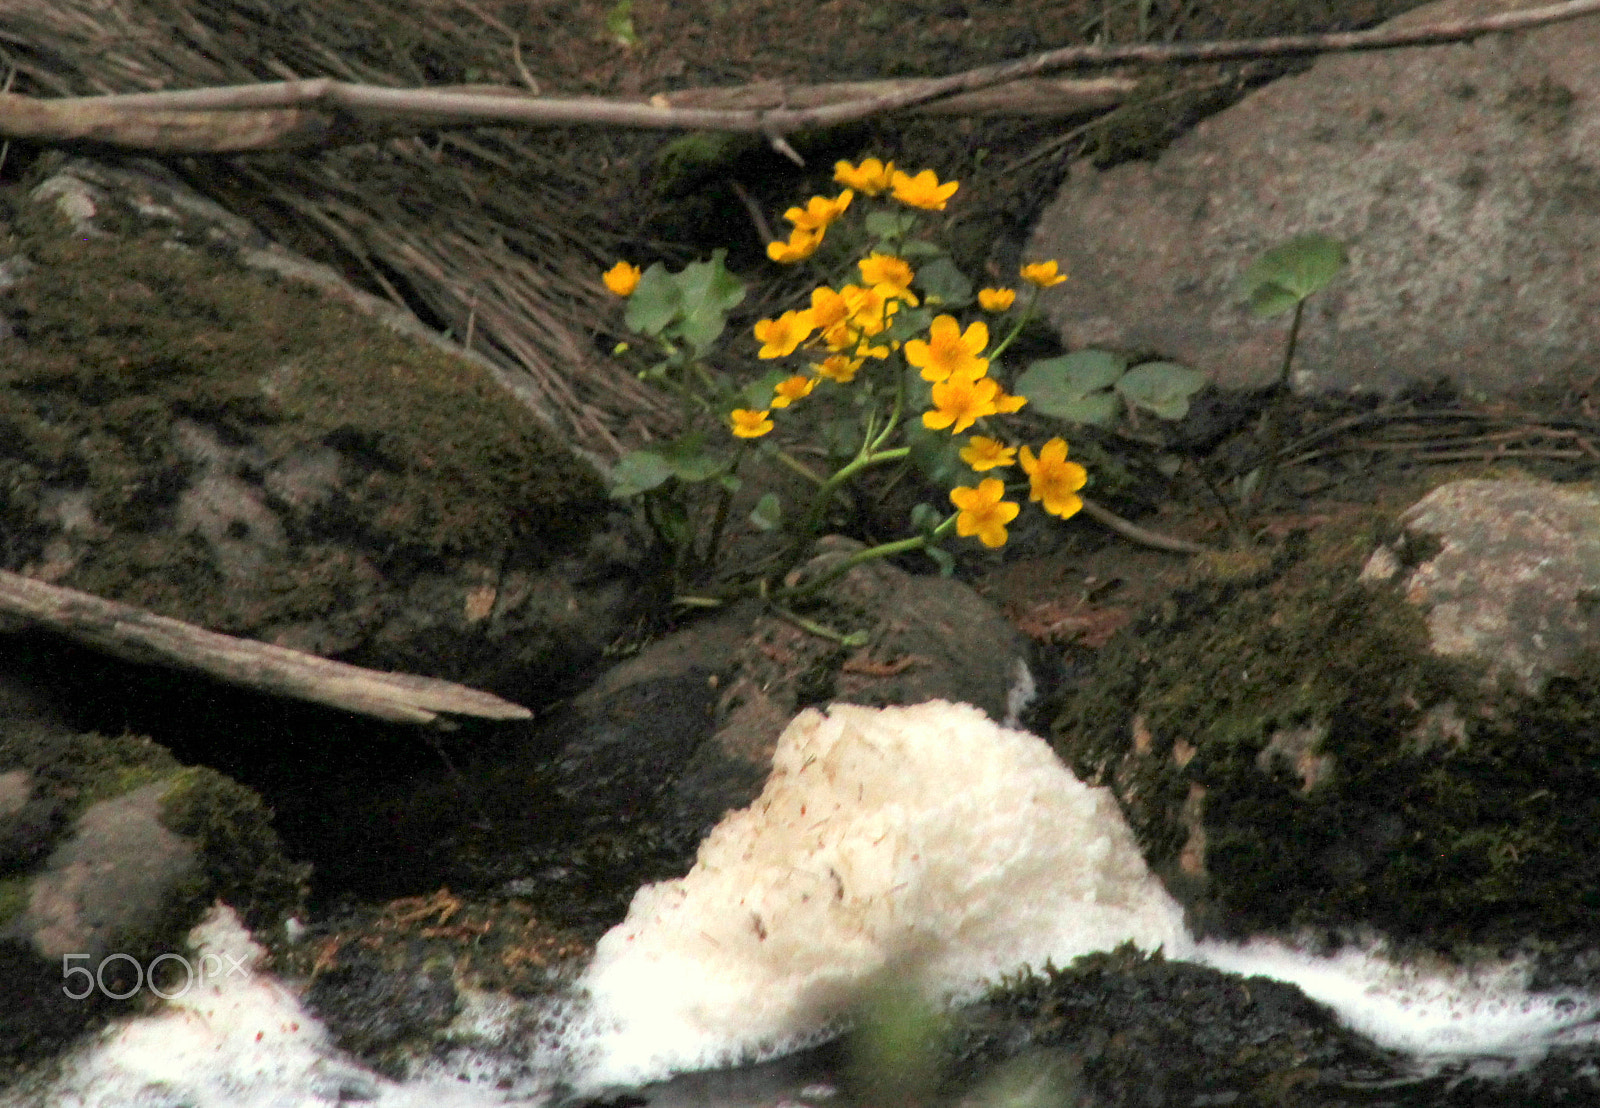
x=323, y=111
x=136, y=635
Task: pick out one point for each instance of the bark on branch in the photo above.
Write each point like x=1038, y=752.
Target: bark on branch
x=323, y=111
x=136, y=635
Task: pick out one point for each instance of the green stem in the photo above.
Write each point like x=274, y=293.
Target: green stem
x=866, y=459
x=882, y=550
x=798, y=466
x=1022, y=321
x=1272, y=432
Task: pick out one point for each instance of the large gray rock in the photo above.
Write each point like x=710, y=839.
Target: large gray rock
x=1464, y=179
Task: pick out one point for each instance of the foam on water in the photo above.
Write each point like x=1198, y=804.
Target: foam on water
x=924, y=844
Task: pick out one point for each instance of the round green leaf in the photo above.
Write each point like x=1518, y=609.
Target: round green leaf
x=1075, y=386
x=1161, y=387
x=654, y=303
x=1287, y=274
x=639, y=472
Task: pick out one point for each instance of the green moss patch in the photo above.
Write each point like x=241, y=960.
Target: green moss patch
x=120, y=339
x=1288, y=724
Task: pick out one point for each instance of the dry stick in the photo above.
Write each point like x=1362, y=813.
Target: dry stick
x=1134, y=533
x=140, y=636
x=318, y=111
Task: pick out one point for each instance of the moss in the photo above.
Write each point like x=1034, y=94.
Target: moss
x=78, y=770
x=1488, y=835
x=13, y=898
x=444, y=462
x=241, y=858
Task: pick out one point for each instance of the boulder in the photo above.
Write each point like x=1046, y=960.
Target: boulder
x=685, y=732
x=1463, y=179
x=1393, y=724
x=200, y=424
x=110, y=851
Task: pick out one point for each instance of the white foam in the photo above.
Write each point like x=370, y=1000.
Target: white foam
x=928, y=843
x=1428, y=1010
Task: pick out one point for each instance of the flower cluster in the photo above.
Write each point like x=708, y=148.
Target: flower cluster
x=845, y=324
x=876, y=326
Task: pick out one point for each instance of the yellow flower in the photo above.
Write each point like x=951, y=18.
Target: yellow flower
x=837, y=367
x=791, y=389
x=984, y=453
x=947, y=352
x=871, y=176
x=922, y=191
x=748, y=424
x=982, y=511
x=801, y=245
x=1042, y=274
x=1056, y=481
x=1005, y=403
x=780, y=336
x=828, y=308
x=870, y=308
x=996, y=300
x=961, y=401
x=886, y=269
x=819, y=212
x=621, y=278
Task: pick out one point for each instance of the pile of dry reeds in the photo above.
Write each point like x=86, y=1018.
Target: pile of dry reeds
x=491, y=233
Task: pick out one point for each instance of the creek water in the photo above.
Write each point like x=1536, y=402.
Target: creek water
x=925, y=846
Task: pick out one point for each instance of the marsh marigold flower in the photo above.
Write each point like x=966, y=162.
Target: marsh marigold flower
x=996, y=300
x=887, y=270
x=1043, y=274
x=1005, y=403
x=621, y=278
x=870, y=177
x=1055, y=480
x=983, y=453
x=749, y=424
x=948, y=352
x=780, y=336
x=983, y=512
x=801, y=245
x=828, y=308
x=870, y=308
x=960, y=402
x=819, y=211
x=837, y=367
x=790, y=389
x=922, y=191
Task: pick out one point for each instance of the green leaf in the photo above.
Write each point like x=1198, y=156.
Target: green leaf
x=1287, y=274
x=943, y=284
x=890, y=224
x=655, y=302
x=937, y=454
x=767, y=515
x=907, y=323
x=639, y=472
x=1075, y=387
x=920, y=248
x=706, y=292
x=925, y=518
x=689, y=460
x=1161, y=387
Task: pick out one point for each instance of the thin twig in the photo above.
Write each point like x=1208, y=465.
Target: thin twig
x=1134, y=533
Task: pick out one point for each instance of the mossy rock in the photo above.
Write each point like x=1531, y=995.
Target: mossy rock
x=235, y=449
x=1291, y=752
